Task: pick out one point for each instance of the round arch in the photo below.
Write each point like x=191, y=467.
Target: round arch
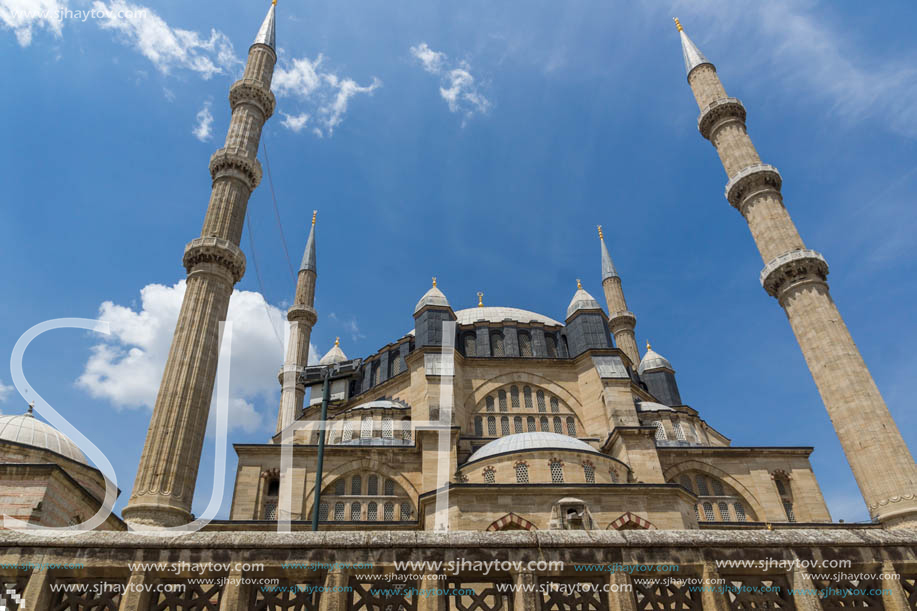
x=672, y=473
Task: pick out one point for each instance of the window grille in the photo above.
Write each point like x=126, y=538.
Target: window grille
x=589, y=472
x=696, y=513
x=514, y=397
x=496, y=344
x=387, y=428
x=491, y=426
x=522, y=473
x=740, y=511
x=348, y=432
x=340, y=487
x=366, y=428
x=558, y=426
x=406, y=511
x=339, y=511
x=490, y=476
x=571, y=426
x=490, y=403
x=502, y=398
x=372, y=485
x=504, y=425
x=479, y=426
x=356, y=485
x=717, y=487
x=780, y=487
x=355, y=511
x=660, y=431
x=708, y=512
x=551, y=345
x=394, y=364
x=323, y=512
x=557, y=472
x=724, y=512
x=530, y=424
x=372, y=512
x=525, y=344
x=388, y=512
x=405, y=429
x=679, y=432
x=555, y=405
x=788, y=507
x=270, y=510
x=685, y=481
x=544, y=424
x=469, y=344
x=377, y=373
x=702, y=489
x=389, y=489
x=540, y=396
x=517, y=424
x=527, y=395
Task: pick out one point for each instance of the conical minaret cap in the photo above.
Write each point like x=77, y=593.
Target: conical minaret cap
x=652, y=360
x=335, y=355
x=267, y=35
x=308, y=257
x=608, y=267
x=693, y=56
x=433, y=297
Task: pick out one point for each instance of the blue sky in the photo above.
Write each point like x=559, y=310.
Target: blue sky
x=478, y=142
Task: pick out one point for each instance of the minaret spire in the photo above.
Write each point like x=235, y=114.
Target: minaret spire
x=302, y=317
x=693, y=56
x=797, y=278
x=621, y=321
x=167, y=474
x=267, y=35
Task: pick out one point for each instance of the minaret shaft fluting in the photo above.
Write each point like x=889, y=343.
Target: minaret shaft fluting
x=796, y=277
x=167, y=474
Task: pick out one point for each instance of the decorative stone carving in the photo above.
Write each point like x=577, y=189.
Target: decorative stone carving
x=251, y=91
x=792, y=268
x=215, y=250
x=718, y=111
x=227, y=163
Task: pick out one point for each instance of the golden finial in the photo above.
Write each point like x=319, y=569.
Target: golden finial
x=434, y=281
x=678, y=25
x=480, y=299
x=579, y=284
x=648, y=347
x=274, y=2
x=337, y=342
x=601, y=237
x=31, y=407
x=314, y=212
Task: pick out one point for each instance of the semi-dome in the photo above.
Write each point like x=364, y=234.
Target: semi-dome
x=335, y=355
x=497, y=314
x=653, y=360
x=582, y=301
x=531, y=441
x=29, y=430
x=433, y=297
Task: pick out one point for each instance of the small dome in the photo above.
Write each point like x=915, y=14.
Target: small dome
x=335, y=355
x=582, y=301
x=433, y=297
x=29, y=430
x=531, y=441
x=650, y=406
x=653, y=360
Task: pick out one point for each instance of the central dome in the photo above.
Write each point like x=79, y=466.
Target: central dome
x=497, y=314
x=531, y=441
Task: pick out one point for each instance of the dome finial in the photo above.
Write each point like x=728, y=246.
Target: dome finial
x=314, y=212
x=31, y=410
x=337, y=341
x=601, y=236
x=678, y=24
x=274, y=2
x=648, y=347
x=480, y=299
x=579, y=284
x=434, y=281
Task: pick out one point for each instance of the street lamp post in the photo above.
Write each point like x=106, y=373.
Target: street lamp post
x=326, y=394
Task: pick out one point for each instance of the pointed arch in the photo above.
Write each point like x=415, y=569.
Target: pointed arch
x=630, y=521
x=511, y=521
x=672, y=473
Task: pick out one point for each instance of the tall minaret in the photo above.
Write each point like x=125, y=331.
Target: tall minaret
x=796, y=277
x=302, y=318
x=621, y=320
x=167, y=473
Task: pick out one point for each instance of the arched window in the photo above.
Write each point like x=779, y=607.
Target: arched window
x=740, y=511
x=387, y=428
x=496, y=344
x=492, y=426
x=540, y=396
x=273, y=487
x=333, y=435
x=788, y=507
x=389, y=489
x=356, y=485
x=660, y=431
x=717, y=487
x=530, y=424
x=527, y=395
x=388, y=512
x=347, y=436
x=269, y=511
x=489, y=401
x=469, y=341
x=557, y=472
x=340, y=487
x=550, y=345
x=589, y=473
x=702, y=489
x=555, y=405
x=502, y=398
x=339, y=511
x=394, y=364
x=708, y=512
x=323, y=512
x=781, y=489
x=517, y=424
x=685, y=481
x=356, y=510
x=372, y=485
x=543, y=422
x=522, y=473
x=525, y=344
x=679, y=432
x=372, y=512
x=514, y=397
x=558, y=426
x=571, y=426
x=406, y=511
x=406, y=429
x=377, y=373
x=724, y=512
x=614, y=476
x=504, y=425
x=479, y=426
x=490, y=476
x=366, y=428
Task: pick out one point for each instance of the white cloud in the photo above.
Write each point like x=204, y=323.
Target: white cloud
x=295, y=123
x=203, y=128
x=167, y=47
x=5, y=391
x=326, y=94
x=127, y=369
x=457, y=85
x=22, y=16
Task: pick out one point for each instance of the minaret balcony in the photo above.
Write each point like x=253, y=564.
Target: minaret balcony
x=754, y=178
x=718, y=111
x=252, y=91
x=215, y=250
x=792, y=268
x=227, y=163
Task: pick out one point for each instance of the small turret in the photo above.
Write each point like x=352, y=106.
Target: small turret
x=335, y=355
x=657, y=372
x=429, y=314
x=587, y=327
